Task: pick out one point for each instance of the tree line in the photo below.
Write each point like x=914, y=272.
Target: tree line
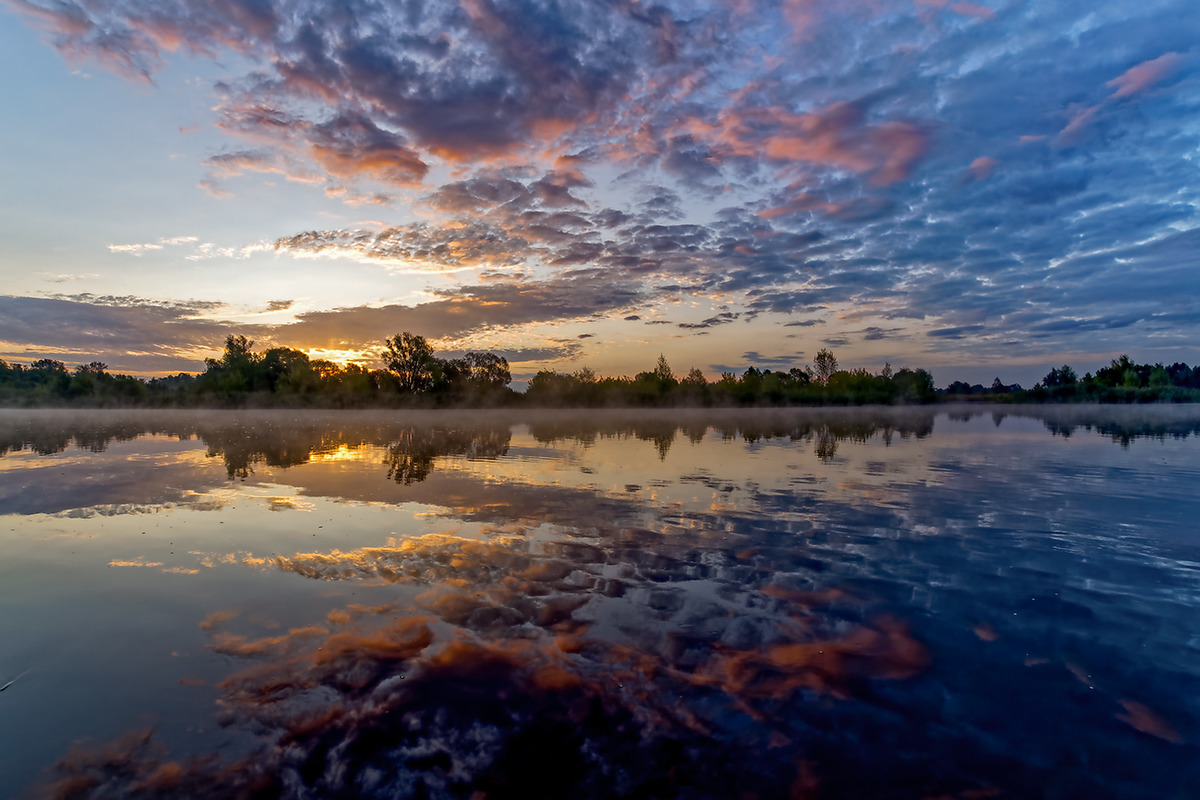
x=413, y=375
x=821, y=383
x=1121, y=381
x=279, y=376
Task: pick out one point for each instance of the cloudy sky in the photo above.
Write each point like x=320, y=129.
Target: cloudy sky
x=982, y=189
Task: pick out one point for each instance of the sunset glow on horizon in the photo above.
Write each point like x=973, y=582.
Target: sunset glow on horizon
x=980, y=189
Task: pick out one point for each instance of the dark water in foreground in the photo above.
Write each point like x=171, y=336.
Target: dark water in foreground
x=792, y=604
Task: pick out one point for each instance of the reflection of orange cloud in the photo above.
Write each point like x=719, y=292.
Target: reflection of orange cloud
x=399, y=641
x=986, y=632
x=233, y=645
x=503, y=656
x=216, y=618
x=884, y=650
x=1146, y=721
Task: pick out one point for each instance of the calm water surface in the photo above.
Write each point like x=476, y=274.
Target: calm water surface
x=793, y=604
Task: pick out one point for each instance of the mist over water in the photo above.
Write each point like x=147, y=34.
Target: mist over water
x=817, y=603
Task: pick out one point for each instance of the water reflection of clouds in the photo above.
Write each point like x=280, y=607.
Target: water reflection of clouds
x=755, y=615
x=499, y=687
x=109, y=482
x=137, y=562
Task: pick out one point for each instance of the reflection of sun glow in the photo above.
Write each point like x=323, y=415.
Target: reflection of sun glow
x=342, y=453
x=288, y=504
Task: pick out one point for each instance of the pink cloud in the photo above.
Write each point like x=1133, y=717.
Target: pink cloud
x=962, y=8
x=837, y=136
x=981, y=168
x=800, y=203
x=1081, y=118
x=902, y=145
x=799, y=15
x=1131, y=82
x=972, y=10
x=1144, y=75
x=213, y=189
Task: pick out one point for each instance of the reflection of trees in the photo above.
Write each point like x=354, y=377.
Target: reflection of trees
x=661, y=433
x=411, y=455
x=826, y=444
x=411, y=450
x=242, y=446
x=46, y=433
x=1124, y=432
x=243, y=440
x=1122, y=424
x=824, y=428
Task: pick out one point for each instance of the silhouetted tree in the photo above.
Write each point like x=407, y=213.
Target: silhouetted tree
x=662, y=370
x=49, y=366
x=825, y=364
x=234, y=370
x=1060, y=376
x=1117, y=373
x=801, y=375
x=913, y=384
x=410, y=358
x=488, y=370
x=285, y=369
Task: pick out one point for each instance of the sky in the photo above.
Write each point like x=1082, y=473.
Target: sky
x=979, y=189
